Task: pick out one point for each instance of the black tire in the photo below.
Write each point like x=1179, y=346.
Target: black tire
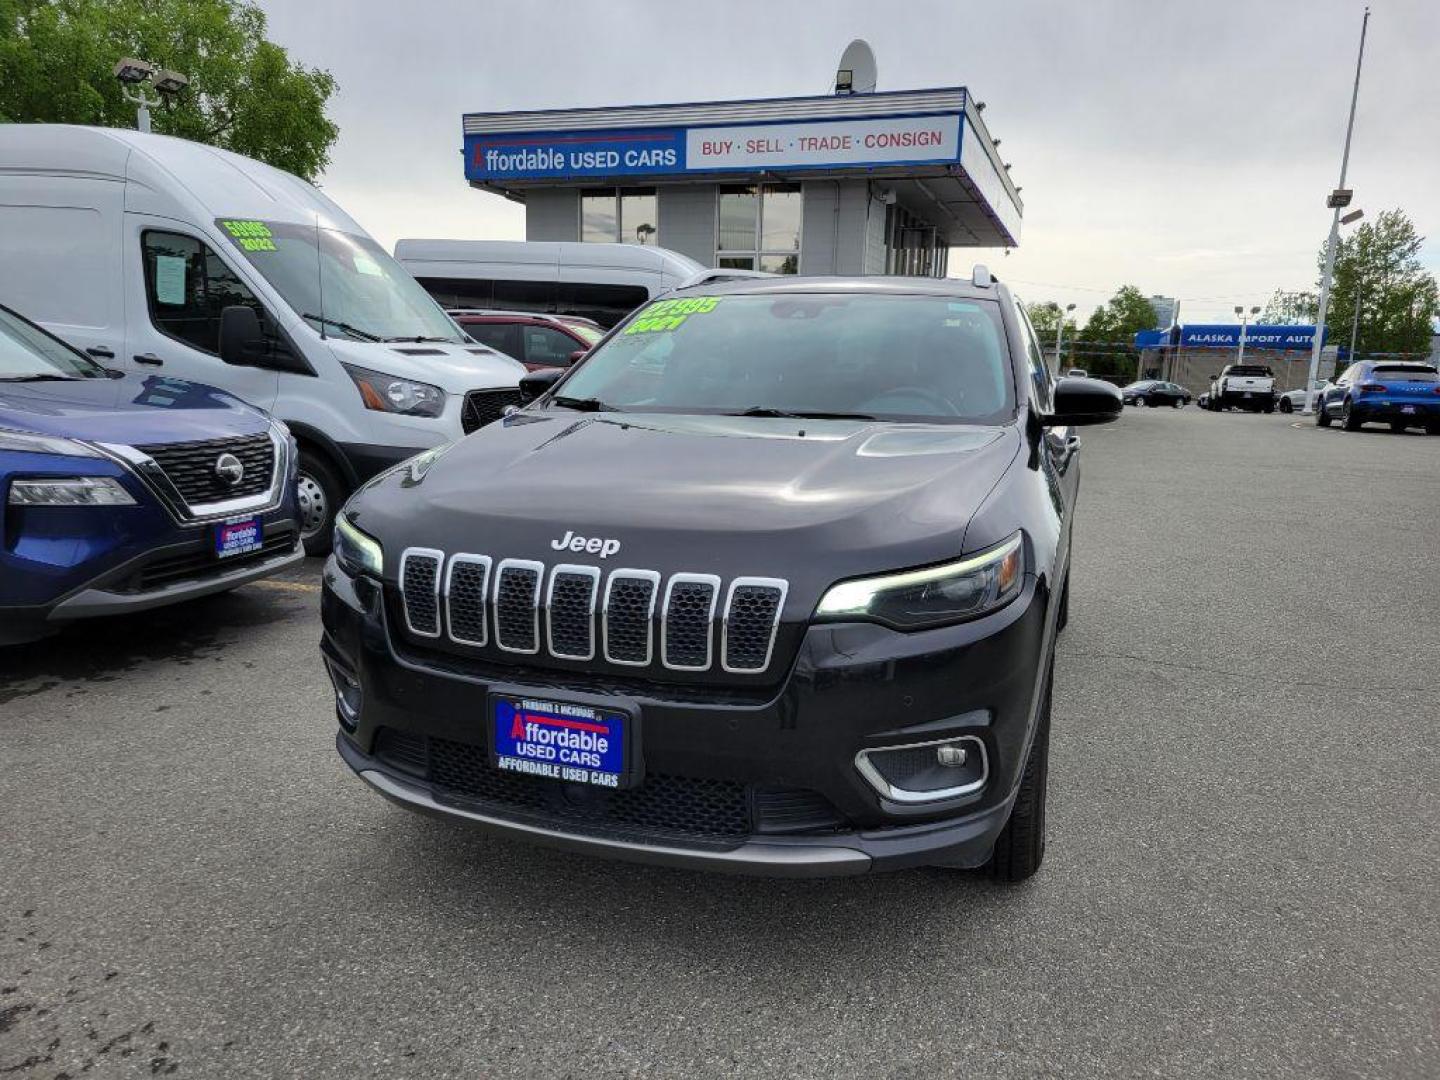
x=1177, y=403
x=319, y=495
x=1285, y=405
x=1062, y=618
x=1138, y=401
x=1322, y=418
x=1348, y=420
x=1432, y=429
x=1020, y=847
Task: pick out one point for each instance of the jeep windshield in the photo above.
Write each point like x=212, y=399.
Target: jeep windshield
x=343, y=283
x=881, y=356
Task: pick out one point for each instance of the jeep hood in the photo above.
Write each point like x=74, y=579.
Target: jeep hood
x=769, y=497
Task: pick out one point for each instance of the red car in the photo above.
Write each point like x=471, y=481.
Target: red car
x=536, y=340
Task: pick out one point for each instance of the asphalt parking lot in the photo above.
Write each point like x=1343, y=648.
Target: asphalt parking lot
x=1241, y=879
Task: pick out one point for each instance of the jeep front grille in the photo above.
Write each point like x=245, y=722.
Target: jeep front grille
x=581, y=613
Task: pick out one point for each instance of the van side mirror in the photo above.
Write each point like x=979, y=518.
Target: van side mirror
x=537, y=382
x=1084, y=401
x=241, y=341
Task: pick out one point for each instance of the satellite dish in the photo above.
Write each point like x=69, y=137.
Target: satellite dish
x=856, y=73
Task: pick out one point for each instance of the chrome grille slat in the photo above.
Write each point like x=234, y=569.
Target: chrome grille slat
x=570, y=611
x=517, y=605
x=467, y=584
x=420, y=590
x=478, y=602
x=752, y=616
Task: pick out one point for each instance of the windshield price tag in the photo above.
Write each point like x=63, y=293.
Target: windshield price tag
x=665, y=315
x=250, y=235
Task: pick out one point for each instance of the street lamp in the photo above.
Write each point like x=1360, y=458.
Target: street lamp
x=1059, y=331
x=134, y=74
x=1338, y=200
x=1240, y=311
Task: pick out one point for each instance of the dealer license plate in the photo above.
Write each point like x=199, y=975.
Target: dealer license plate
x=238, y=535
x=1408, y=410
x=557, y=740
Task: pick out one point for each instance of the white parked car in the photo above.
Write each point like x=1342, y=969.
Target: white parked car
x=1294, y=400
x=175, y=260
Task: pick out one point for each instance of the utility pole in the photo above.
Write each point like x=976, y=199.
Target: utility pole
x=1354, y=325
x=1339, y=199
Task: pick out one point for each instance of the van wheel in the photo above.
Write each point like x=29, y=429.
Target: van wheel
x=318, y=496
x=1020, y=848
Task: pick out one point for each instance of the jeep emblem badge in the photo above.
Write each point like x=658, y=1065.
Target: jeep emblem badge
x=229, y=469
x=595, y=545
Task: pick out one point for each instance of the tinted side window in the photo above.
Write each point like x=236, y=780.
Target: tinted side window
x=460, y=292
x=499, y=336
x=526, y=296
x=546, y=345
x=606, y=304
x=187, y=286
x=1039, y=372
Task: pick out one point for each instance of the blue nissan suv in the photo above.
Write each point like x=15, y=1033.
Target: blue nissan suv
x=1401, y=394
x=120, y=493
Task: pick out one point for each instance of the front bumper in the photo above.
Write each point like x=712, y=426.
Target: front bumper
x=785, y=755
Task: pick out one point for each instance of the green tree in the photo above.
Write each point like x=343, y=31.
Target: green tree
x=1107, y=343
x=1398, y=299
x=1045, y=317
x=1290, y=309
x=245, y=94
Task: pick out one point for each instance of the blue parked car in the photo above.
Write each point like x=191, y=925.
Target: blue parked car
x=1390, y=392
x=121, y=493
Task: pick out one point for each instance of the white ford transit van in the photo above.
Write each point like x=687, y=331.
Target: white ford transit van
x=604, y=282
x=164, y=256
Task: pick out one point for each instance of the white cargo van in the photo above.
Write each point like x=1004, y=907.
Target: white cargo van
x=604, y=282
x=170, y=257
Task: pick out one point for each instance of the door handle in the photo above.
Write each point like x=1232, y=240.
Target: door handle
x=148, y=358
x=100, y=352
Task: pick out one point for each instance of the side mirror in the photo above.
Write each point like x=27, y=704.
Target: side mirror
x=241, y=341
x=1084, y=401
x=537, y=382
x=576, y=355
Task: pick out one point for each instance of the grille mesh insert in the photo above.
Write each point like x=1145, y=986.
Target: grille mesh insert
x=515, y=609
x=749, y=625
x=627, y=620
x=687, y=624
x=418, y=579
x=572, y=603
x=469, y=580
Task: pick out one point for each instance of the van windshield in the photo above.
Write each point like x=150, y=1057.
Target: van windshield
x=340, y=283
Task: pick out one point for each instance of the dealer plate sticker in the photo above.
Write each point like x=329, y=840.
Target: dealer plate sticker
x=558, y=740
x=237, y=536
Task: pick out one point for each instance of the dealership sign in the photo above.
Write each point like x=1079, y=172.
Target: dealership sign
x=1259, y=336
x=901, y=140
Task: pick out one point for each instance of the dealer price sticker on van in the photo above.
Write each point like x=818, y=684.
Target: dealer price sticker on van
x=576, y=744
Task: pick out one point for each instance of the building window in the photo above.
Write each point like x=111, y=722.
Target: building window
x=914, y=247
x=619, y=216
x=758, y=228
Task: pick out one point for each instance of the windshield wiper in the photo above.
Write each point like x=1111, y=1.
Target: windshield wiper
x=420, y=340
x=40, y=378
x=582, y=404
x=760, y=410
x=354, y=331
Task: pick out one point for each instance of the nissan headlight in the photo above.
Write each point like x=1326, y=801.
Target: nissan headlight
x=390, y=393
x=356, y=552
x=932, y=595
x=26, y=442
x=70, y=491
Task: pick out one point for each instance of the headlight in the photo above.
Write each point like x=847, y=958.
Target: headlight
x=935, y=595
x=44, y=444
x=70, y=491
x=389, y=393
x=355, y=551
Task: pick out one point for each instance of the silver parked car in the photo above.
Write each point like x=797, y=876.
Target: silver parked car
x=1294, y=400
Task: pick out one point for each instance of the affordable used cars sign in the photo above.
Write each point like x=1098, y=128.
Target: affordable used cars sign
x=744, y=147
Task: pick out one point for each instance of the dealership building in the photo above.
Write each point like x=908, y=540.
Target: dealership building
x=1192, y=353
x=874, y=183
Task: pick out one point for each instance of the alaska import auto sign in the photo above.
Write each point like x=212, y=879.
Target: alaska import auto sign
x=559, y=155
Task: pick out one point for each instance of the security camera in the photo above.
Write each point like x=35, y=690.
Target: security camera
x=131, y=70
x=170, y=82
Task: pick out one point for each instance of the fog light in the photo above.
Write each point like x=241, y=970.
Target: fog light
x=347, y=694
x=926, y=772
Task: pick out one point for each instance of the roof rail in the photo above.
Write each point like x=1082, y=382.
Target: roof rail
x=981, y=277
x=705, y=277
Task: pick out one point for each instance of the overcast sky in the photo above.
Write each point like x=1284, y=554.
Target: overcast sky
x=1183, y=147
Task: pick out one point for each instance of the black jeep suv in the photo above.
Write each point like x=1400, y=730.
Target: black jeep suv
x=769, y=582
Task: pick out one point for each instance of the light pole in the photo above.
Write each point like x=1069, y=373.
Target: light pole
x=134, y=74
x=1240, y=357
x=1059, y=331
x=1354, y=325
x=1338, y=200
